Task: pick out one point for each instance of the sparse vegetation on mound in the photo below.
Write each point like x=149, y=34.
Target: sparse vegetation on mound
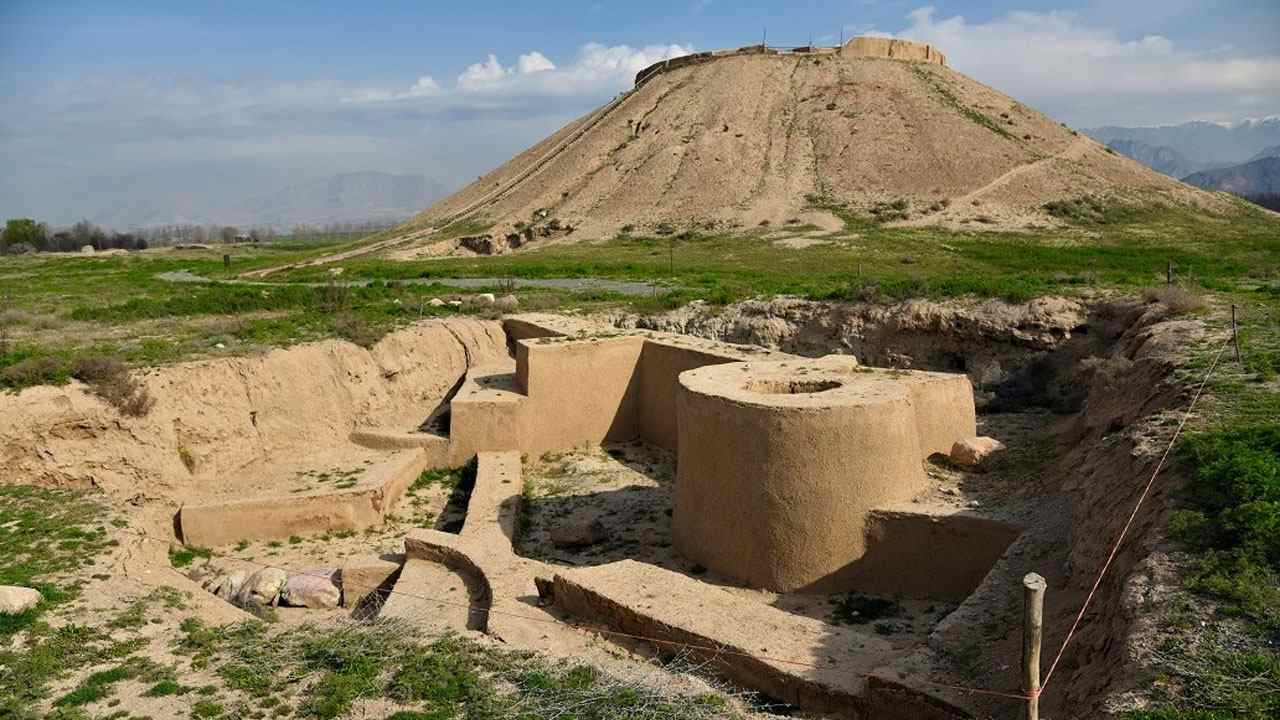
x=443, y=678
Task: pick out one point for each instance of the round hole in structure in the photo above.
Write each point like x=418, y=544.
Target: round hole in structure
x=782, y=386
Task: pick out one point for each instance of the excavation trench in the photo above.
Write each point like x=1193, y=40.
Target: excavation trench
x=314, y=457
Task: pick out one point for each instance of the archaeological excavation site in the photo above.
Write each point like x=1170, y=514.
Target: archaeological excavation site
x=830, y=507
x=819, y=382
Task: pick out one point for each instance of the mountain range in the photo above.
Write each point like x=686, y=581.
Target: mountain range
x=1235, y=157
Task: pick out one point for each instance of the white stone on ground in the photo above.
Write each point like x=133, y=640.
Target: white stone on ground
x=312, y=589
x=15, y=599
x=263, y=587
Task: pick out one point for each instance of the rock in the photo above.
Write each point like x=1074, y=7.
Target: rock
x=455, y=303
x=508, y=303
x=15, y=599
x=974, y=452
x=262, y=588
x=336, y=271
x=437, y=302
x=361, y=577
x=312, y=589
x=576, y=535
x=220, y=346
x=484, y=299
x=225, y=586
x=87, y=250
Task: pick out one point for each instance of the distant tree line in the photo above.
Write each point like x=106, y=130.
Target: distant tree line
x=24, y=235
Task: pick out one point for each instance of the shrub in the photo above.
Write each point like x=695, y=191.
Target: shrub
x=354, y=329
x=1176, y=298
x=30, y=371
x=110, y=380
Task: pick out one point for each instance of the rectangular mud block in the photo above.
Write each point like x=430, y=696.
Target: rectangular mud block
x=361, y=577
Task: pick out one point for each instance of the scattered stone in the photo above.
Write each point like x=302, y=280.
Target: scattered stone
x=15, y=599
x=974, y=452
x=975, y=504
x=455, y=303
x=361, y=577
x=262, y=588
x=220, y=346
x=336, y=271
x=312, y=589
x=437, y=302
x=225, y=586
x=87, y=250
x=484, y=299
x=508, y=303
x=578, y=535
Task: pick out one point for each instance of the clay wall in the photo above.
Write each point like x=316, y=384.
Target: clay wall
x=892, y=48
x=857, y=47
x=580, y=392
x=660, y=367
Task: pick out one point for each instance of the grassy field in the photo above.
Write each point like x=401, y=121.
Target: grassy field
x=56, y=309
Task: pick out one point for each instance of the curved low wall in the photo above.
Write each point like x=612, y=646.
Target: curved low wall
x=780, y=463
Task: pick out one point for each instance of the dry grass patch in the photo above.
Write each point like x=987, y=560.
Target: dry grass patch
x=1176, y=298
x=110, y=380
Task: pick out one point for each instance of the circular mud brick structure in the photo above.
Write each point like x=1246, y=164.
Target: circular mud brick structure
x=780, y=462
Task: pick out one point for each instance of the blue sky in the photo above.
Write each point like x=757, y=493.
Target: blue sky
x=190, y=106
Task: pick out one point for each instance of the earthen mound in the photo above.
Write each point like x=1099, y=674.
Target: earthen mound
x=749, y=137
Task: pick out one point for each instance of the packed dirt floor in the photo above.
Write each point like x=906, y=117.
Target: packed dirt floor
x=1079, y=393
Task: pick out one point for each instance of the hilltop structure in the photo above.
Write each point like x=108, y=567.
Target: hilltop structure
x=738, y=139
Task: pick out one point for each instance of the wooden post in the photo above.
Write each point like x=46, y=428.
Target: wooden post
x=1235, y=332
x=226, y=260
x=1033, y=587
x=1168, y=274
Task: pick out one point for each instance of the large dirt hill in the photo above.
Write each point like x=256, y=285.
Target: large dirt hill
x=738, y=139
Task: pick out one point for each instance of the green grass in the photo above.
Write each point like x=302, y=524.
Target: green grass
x=449, y=677
x=56, y=311
x=47, y=536
x=184, y=556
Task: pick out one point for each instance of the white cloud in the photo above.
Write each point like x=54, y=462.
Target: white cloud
x=1090, y=75
x=482, y=75
x=594, y=70
x=533, y=62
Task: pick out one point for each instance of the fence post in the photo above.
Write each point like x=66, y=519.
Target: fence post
x=1033, y=587
x=1168, y=274
x=1235, y=332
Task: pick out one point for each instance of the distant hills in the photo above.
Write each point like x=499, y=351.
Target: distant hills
x=1257, y=177
x=1158, y=157
x=1241, y=158
x=348, y=197
x=1203, y=143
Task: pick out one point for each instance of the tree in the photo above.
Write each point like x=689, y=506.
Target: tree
x=25, y=230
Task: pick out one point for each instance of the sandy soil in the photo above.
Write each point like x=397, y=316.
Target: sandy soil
x=746, y=139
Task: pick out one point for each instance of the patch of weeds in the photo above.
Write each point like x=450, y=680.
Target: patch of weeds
x=109, y=379
x=98, y=685
x=1177, y=299
x=166, y=688
x=206, y=709
x=854, y=608
x=188, y=458
x=356, y=329
x=184, y=556
x=1085, y=211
